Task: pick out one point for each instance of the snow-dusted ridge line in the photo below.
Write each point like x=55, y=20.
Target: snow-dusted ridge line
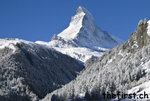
x=9, y=43
x=12, y=42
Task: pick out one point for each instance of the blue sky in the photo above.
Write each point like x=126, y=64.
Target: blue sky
x=39, y=19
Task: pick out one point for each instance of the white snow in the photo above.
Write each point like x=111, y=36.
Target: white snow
x=144, y=87
x=79, y=53
x=10, y=43
x=74, y=28
x=42, y=43
x=76, y=24
x=140, y=89
x=148, y=28
x=146, y=66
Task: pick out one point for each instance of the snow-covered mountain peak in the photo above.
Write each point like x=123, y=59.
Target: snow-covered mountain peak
x=84, y=31
x=83, y=19
x=80, y=15
x=82, y=38
x=81, y=9
x=85, y=14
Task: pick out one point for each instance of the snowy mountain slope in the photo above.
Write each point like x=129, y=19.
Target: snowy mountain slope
x=140, y=89
x=83, y=38
x=84, y=31
x=29, y=71
x=80, y=53
x=123, y=69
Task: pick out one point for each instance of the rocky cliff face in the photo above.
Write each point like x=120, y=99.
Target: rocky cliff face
x=29, y=71
x=139, y=38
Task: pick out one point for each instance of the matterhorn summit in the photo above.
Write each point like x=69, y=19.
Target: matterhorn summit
x=83, y=38
x=82, y=20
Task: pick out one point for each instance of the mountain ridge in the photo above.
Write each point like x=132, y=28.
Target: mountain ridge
x=82, y=37
x=83, y=25
x=29, y=71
